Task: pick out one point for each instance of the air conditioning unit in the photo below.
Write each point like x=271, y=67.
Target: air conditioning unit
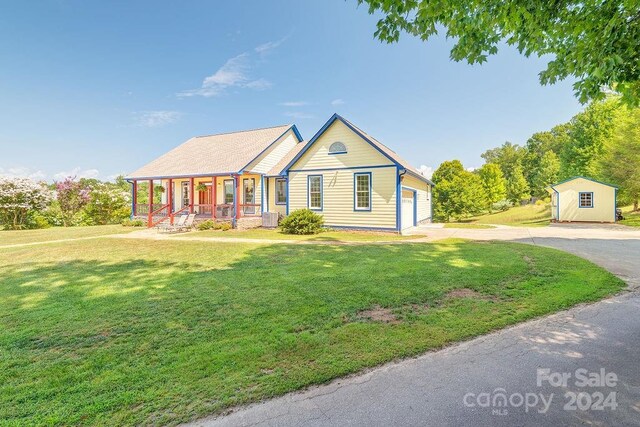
x=270, y=219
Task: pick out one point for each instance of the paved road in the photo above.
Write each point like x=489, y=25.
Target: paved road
x=451, y=387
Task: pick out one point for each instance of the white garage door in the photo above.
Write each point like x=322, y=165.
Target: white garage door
x=407, y=209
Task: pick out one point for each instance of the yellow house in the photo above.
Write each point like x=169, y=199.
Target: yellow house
x=347, y=176
x=581, y=199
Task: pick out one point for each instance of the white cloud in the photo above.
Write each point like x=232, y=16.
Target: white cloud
x=265, y=48
x=152, y=119
x=22, y=172
x=299, y=115
x=294, y=103
x=337, y=102
x=235, y=73
x=77, y=173
x=426, y=171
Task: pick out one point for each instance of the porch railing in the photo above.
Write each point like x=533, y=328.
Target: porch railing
x=162, y=212
x=143, y=208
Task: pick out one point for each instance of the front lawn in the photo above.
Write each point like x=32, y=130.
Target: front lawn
x=134, y=331
x=631, y=218
x=276, y=234
x=14, y=237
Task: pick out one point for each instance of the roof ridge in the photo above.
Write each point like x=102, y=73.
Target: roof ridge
x=242, y=131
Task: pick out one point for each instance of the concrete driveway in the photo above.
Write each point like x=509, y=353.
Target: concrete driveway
x=541, y=367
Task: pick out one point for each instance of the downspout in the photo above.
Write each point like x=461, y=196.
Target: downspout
x=557, y=204
x=399, y=199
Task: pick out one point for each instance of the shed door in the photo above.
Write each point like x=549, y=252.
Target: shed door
x=408, y=201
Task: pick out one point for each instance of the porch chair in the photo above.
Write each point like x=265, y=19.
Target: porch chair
x=188, y=224
x=166, y=227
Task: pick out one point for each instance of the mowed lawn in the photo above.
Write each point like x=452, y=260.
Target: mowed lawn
x=127, y=331
x=16, y=237
x=523, y=216
x=277, y=234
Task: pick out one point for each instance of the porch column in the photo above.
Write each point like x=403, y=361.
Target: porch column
x=150, y=219
x=134, y=197
x=214, y=183
x=170, y=200
x=192, y=196
x=236, y=200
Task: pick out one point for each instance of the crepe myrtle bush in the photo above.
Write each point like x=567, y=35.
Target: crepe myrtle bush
x=302, y=221
x=72, y=196
x=20, y=197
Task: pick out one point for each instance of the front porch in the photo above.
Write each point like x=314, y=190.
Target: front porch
x=218, y=197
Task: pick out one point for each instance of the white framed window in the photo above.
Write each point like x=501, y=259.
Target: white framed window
x=585, y=199
x=229, y=193
x=314, y=192
x=281, y=191
x=337, y=148
x=362, y=191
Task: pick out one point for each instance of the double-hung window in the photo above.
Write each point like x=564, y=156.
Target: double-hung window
x=281, y=191
x=585, y=200
x=314, y=195
x=362, y=191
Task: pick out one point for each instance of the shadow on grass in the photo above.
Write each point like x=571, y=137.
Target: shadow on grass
x=154, y=341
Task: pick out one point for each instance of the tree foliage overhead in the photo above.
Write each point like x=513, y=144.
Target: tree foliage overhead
x=594, y=41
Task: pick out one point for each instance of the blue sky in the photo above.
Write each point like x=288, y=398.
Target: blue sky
x=101, y=88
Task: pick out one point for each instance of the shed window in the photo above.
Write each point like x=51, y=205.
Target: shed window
x=362, y=191
x=585, y=200
x=314, y=195
x=281, y=191
x=337, y=148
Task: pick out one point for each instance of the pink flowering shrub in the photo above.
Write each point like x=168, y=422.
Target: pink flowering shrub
x=20, y=197
x=72, y=196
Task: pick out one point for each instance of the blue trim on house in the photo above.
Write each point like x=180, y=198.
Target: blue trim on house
x=398, y=198
x=584, y=177
x=580, y=193
x=295, y=132
x=133, y=199
x=337, y=152
x=342, y=168
x=286, y=183
x=355, y=192
x=309, y=193
x=421, y=177
x=347, y=227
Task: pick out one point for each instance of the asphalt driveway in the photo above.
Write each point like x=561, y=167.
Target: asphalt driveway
x=578, y=367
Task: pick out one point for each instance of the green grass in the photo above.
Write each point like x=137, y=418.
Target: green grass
x=466, y=225
x=631, y=218
x=14, y=237
x=337, y=236
x=133, y=331
x=524, y=216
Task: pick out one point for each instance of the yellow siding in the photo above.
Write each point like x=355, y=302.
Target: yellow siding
x=271, y=157
x=603, y=201
x=423, y=196
x=281, y=209
x=359, y=152
x=338, y=197
x=338, y=185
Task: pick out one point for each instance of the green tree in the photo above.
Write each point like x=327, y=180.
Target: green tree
x=493, y=184
x=517, y=187
x=546, y=173
x=621, y=163
x=588, y=132
x=508, y=156
x=592, y=40
x=457, y=192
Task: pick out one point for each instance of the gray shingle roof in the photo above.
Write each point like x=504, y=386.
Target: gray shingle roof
x=212, y=154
